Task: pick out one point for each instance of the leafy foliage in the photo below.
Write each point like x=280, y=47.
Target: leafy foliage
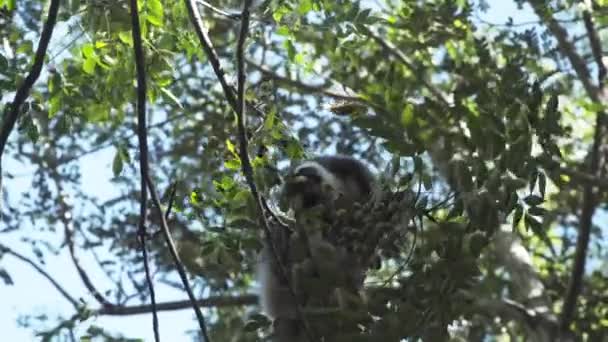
x=487, y=125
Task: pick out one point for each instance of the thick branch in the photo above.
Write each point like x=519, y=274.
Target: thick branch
x=10, y=117
x=567, y=48
x=590, y=197
x=596, y=45
x=64, y=293
x=585, y=178
x=143, y=158
x=219, y=301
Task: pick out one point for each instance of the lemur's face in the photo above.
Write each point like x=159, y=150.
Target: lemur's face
x=304, y=187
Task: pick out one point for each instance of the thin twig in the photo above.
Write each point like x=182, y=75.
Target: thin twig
x=523, y=23
x=322, y=89
x=176, y=258
x=64, y=218
x=99, y=147
x=212, y=302
x=407, y=260
x=590, y=198
x=64, y=293
x=50, y=164
x=246, y=163
x=171, y=200
x=436, y=92
x=233, y=16
x=143, y=158
x=596, y=45
x=10, y=117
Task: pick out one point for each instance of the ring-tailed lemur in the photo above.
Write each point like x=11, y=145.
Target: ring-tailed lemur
x=336, y=182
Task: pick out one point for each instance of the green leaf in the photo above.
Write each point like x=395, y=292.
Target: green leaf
x=155, y=12
x=291, y=50
x=6, y=277
x=533, y=181
x=537, y=211
x=533, y=200
x=517, y=215
x=230, y=146
x=542, y=184
x=532, y=223
x=117, y=163
x=126, y=37
x=33, y=133
x=9, y=4
x=171, y=96
x=88, y=66
x=407, y=116
x=304, y=7
x=55, y=104
x=88, y=50
x=75, y=5
x=233, y=164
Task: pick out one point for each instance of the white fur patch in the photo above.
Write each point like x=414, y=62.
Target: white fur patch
x=327, y=178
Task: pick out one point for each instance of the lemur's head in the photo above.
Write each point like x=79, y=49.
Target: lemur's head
x=341, y=179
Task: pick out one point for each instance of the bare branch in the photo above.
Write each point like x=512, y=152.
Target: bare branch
x=64, y=293
x=64, y=218
x=219, y=301
x=12, y=114
x=143, y=158
x=176, y=258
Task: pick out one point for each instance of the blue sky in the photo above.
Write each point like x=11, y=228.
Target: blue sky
x=33, y=294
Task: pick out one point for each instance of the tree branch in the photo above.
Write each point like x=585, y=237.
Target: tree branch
x=219, y=301
x=232, y=16
x=64, y=293
x=567, y=48
x=65, y=219
x=239, y=105
x=10, y=117
x=145, y=174
x=590, y=197
x=246, y=163
x=201, y=32
x=595, y=42
x=388, y=46
x=315, y=89
x=143, y=158
x=508, y=309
